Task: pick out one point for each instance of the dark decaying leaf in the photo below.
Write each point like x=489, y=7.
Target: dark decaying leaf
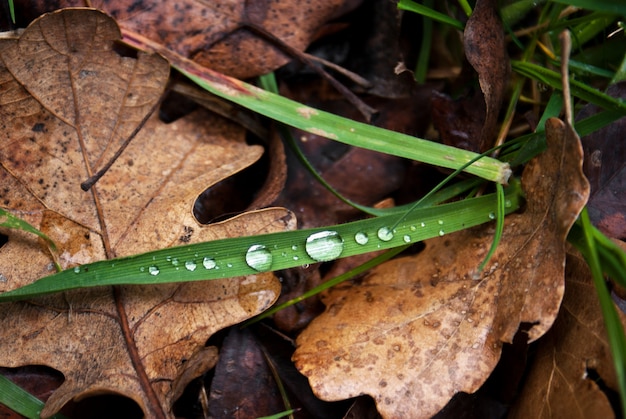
x=485, y=49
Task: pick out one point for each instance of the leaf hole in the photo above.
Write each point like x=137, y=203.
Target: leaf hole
x=105, y=406
x=233, y=195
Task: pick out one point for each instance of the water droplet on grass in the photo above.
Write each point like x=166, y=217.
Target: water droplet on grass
x=190, y=265
x=324, y=246
x=208, y=263
x=492, y=216
x=259, y=258
x=406, y=238
x=361, y=238
x=77, y=269
x=153, y=270
x=441, y=232
x=385, y=234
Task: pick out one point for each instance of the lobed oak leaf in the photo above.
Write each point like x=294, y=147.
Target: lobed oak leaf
x=573, y=357
x=213, y=33
x=419, y=329
x=68, y=101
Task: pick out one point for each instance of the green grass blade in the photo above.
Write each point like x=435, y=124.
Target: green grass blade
x=615, y=331
x=228, y=257
x=19, y=400
x=414, y=7
x=580, y=90
x=611, y=6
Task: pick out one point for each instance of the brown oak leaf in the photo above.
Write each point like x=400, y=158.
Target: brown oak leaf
x=67, y=102
x=419, y=329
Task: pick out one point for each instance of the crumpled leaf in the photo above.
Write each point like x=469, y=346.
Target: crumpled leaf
x=419, y=329
x=572, y=357
x=67, y=103
x=212, y=33
x=485, y=49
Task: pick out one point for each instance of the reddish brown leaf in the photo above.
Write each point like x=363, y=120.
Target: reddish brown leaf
x=419, y=329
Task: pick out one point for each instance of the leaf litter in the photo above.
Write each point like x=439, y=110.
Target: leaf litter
x=419, y=329
x=67, y=106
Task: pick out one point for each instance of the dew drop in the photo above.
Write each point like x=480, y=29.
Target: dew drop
x=153, y=270
x=77, y=269
x=295, y=258
x=385, y=234
x=229, y=265
x=413, y=228
x=492, y=216
x=361, y=238
x=190, y=265
x=440, y=222
x=208, y=263
x=422, y=224
x=441, y=232
x=294, y=247
x=406, y=238
x=175, y=262
x=259, y=258
x=508, y=203
x=142, y=269
x=324, y=246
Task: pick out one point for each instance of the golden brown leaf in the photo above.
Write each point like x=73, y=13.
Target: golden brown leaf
x=562, y=381
x=66, y=104
x=420, y=329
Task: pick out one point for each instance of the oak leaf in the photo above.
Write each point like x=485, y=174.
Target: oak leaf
x=68, y=101
x=419, y=329
x=572, y=357
x=213, y=33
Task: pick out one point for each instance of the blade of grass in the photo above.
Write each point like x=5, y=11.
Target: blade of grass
x=414, y=7
x=20, y=401
x=580, y=90
x=615, y=331
x=228, y=257
x=612, y=6
x=323, y=123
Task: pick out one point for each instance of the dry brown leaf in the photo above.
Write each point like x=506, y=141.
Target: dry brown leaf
x=420, y=329
x=561, y=382
x=485, y=49
x=212, y=33
x=66, y=105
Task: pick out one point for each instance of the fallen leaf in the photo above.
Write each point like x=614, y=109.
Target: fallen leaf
x=485, y=49
x=419, y=329
x=573, y=355
x=213, y=33
x=67, y=103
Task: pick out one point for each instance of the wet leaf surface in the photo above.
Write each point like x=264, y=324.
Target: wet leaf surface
x=67, y=105
x=419, y=329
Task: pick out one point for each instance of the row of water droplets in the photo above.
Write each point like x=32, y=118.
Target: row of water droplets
x=321, y=246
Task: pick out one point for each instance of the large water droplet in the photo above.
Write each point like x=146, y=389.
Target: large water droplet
x=190, y=265
x=361, y=238
x=153, y=270
x=324, y=246
x=259, y=258
x=208, y=263
x=385, y=234
x=492, y=216
x=77, y=270
x=406, y=238
x=441, y=232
